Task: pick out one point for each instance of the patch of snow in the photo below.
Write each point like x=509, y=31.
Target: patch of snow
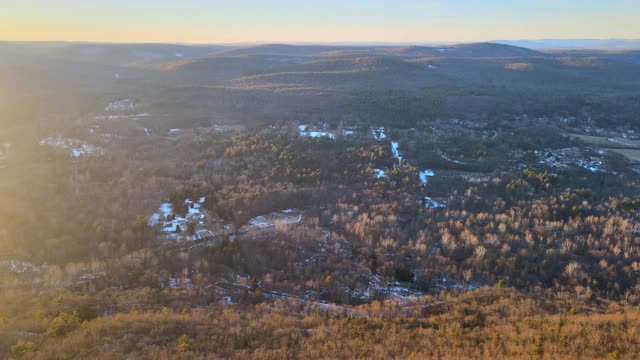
x=19, y=267
x=83, y=150
x=453, y=284
x=444, y=156
x=294, y=221
x=93, y=276
x=286, y=217
x=120, y=105
x=121, y=117
x=318, y=134
x=177, y=225
x=432, y=204
x=425, y=175
x=475, y=179
x=154, y=219
x=77, y=148
x=183, y=282
x=396, y=152
x=397, y=290
x=347, y=132
x=380, y=174
x=378, y=133
x=259, y=221
x=591, y=166
x=564, y=158
x=314, y=134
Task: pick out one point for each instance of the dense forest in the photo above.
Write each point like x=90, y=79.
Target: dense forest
x=484, y=324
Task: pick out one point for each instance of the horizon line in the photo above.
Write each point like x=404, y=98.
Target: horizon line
x=338, y=43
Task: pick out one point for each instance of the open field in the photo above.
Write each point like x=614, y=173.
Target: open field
x=631, y=154
x=612, y=142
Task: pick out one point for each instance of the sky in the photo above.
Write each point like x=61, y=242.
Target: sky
x=234, y=21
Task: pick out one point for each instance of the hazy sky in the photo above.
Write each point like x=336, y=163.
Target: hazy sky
x=214, y=21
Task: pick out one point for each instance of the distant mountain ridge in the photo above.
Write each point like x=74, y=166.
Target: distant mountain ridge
x=485, y=49
x=575, y=44
x=490, y=49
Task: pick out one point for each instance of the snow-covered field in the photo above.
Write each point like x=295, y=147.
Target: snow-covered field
x=77, y=148
x=567, y=157
x=285, y=217
x=120, y=106
x=306, y=131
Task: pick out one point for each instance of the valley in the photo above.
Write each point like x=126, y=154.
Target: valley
x=318, y=185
